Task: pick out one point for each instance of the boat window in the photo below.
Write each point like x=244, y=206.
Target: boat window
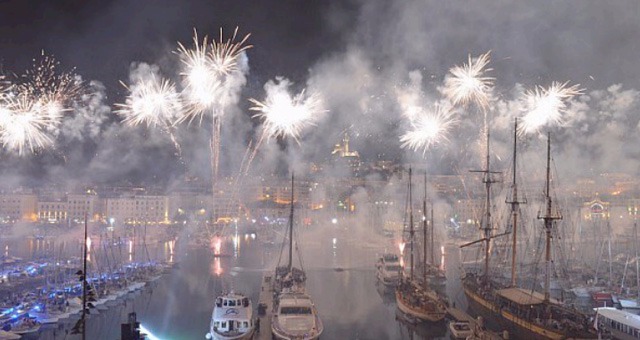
x=232, y=303
x=225, y=303
x=216, y=324
x=224, y=324
x=246, y=324
x=295, y=310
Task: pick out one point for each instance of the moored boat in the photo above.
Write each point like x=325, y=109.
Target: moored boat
x=388, y=269
x=296, y=318
x=232, y=318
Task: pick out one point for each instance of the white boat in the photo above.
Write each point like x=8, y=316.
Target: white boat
x=388, y=269
x=460, y=329
x=232, y=318
x=296, y=318
x=622, y=324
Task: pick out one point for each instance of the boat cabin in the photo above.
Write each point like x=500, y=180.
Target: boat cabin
x=232, y=302
x=623, y=325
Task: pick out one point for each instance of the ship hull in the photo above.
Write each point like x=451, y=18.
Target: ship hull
x=518, y=328
x=417, y=313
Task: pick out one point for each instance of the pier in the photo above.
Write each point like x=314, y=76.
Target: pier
x=265, y=308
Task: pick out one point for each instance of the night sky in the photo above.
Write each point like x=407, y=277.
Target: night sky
x=358, y=54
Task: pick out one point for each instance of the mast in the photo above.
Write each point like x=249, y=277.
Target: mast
x=424, y=232
x=291, y=227
x=433, y=261
x=515, y=206
x=411, y=231
x=548, y=218
x=487, y=180
x=635, y=246
x=84, y=280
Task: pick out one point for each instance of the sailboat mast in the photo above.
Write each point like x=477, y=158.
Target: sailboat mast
x=635, y=246
x=411, y=231
x=487, y=221
x=548, y=223
x=515, y=206
x=424, y=232
x=433, y=261
x=85, y=281
x=291, y=227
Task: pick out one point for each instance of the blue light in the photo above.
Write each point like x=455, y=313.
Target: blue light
x=148, y=333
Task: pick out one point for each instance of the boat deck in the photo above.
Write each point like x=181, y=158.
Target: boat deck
x=460, y=315
x=265, y=304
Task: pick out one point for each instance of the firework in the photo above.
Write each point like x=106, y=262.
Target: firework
x=24, y=124
x=153, y=102
x=285, y=115
x=45, y=84
x=429, y=129
x=468, y=83
x=546, y=106
x=207, y=67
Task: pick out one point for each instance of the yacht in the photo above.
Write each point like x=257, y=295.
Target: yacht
x=388, y=269
x=296, y=318
x=232, y=318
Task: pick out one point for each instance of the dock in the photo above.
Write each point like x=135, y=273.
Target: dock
x=265, y=308
x=479, y=331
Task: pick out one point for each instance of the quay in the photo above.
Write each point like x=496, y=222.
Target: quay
x=265, y=308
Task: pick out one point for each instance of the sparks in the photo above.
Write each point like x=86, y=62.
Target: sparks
x=468, y=83
x=285, y=115
x=24, y=124
x=153, y=102
x=429, y=129
x=206, y=69
x=546, y=106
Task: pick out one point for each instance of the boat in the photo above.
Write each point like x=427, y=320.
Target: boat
x=26, y=325
x=525, y=313
x=415, y=298
x=460, y=329
x=619, y=323
x=232, y=318
x=296, y=316
x=388, y=269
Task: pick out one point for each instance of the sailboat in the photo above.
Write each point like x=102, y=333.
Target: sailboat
x=296, y=315
x=416, y=299
x=525, y=313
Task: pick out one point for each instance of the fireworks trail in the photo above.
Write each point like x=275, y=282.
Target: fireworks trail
x=209, y=71
x=429, y=129
x=468, y=83
x=546, y=106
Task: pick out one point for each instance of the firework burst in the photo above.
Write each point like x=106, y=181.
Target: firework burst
x=207, y=67
x=428, y=129
x=285, y=115
x=546, y=106
x=153, y=102
x=468, y=83
x=24, y=124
